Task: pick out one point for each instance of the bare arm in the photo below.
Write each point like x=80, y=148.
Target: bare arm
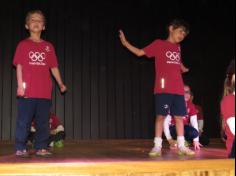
x=138, y=52
x=57, y=76
x=20, y=86
x=196, y=143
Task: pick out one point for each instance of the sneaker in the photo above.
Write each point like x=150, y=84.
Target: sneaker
x=187, y=144
x=185, y=151
x=173, y=145
x=155, y=152
x=51, y=144
x=59, y=144
x=43, y=153
x=22, y=154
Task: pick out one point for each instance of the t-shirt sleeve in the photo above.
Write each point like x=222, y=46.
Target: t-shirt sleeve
x=18, y=56
x=52, y=58
x=193, y=110
x=227, y=107
x=151, y=49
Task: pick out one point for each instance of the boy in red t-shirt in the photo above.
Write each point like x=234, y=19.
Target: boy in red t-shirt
x=228, y=109
x=34, y=60
x=169, y=86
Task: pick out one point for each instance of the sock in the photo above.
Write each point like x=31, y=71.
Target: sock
x=180, y=141
x=158, y=142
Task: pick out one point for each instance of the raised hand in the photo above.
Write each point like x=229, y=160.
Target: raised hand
x=122, y=38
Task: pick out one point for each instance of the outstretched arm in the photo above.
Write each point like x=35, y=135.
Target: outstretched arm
x=138, y=52
x=57, y=76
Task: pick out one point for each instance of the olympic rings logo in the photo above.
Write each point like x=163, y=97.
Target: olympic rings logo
x=174, y=56
x=36, y=56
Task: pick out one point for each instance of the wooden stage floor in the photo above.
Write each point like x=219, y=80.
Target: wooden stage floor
x=117, y=158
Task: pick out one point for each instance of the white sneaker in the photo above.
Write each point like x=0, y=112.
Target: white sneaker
x=51, y=144
x=155, y=152
x=185, y=151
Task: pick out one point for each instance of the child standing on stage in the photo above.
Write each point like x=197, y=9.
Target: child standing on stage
x=34, y=59
x=169, y=87
x=228, y=109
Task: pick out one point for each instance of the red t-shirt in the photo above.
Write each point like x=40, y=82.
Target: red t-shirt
x=36, y=59
x=167, y=65
x=191, y=110
x=199, y=112
x=54, y=122
x=228, y=111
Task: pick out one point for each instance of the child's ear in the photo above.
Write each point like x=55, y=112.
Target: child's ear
x=44, y=28
x=26, y=26
x=171, y=28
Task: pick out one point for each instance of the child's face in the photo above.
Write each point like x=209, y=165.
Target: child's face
x=35, y=23
x=187, y=93
x=178, y=34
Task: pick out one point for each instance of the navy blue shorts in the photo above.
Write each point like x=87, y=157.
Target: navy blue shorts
x=172, y=104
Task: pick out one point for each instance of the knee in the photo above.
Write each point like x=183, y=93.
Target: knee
x=160, y=118
x=195, y=133
x=178, y=120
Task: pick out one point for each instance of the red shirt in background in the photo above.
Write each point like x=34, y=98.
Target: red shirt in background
x=228, y=111
x=54, y=122
x=199, y=112
x=191, y=110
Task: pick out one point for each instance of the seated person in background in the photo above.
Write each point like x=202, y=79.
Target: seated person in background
x=204, y=140
x=191, y=133
x=228, y=109
x=57, y=133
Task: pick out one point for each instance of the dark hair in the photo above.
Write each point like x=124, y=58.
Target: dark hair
x=31, y=12
x=180, y=23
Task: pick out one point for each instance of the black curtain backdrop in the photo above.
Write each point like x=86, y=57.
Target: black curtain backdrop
x=110, y=91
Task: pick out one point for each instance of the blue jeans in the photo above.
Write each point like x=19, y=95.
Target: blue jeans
x=29, y=109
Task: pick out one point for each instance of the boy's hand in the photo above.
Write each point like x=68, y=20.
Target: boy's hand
x=197, y=145
x=122, y=38
x=63, y=88
x=20, y=91
x=186, y=70
x=183, y=68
